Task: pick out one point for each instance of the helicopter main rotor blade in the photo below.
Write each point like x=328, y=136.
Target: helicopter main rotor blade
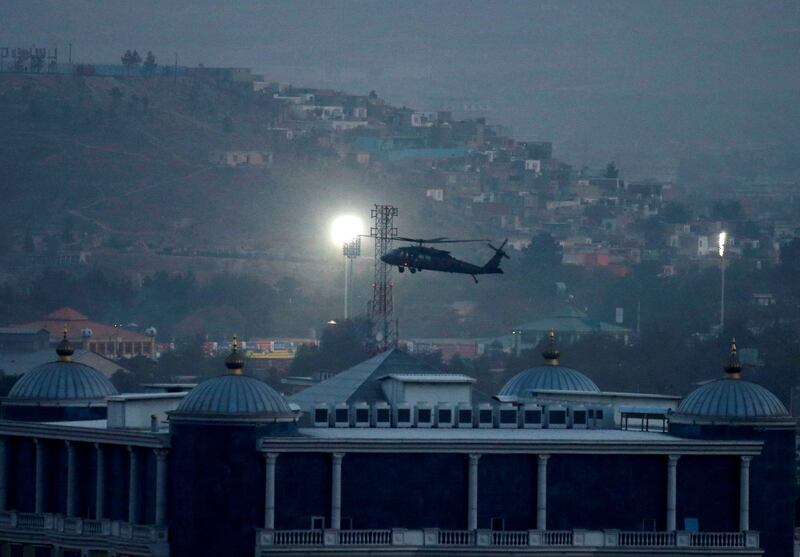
x=442, y=240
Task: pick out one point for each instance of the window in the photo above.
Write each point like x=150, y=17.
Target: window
x=498, y=524
x=342, y=415
x=591, y=414
x=362, y=415
x=533, y=416
x=485, y=416
x=465, y=416
x=382, y=415
x=317, y=522
x=579, y=417
x=598, y=414
x=508, y=416
x=424, y=415
x=445, y=416
x=321, y=415
x=558, y=417
x=403, y=415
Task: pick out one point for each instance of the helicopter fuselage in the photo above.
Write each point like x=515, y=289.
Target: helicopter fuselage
x=417, y=258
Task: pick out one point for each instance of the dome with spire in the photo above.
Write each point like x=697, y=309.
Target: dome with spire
x=234, y=396
x=548, y=377
x=62, y=381
x=730, y=398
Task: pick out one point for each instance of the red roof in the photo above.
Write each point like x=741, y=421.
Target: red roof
x=66, y=314
x=74, y=321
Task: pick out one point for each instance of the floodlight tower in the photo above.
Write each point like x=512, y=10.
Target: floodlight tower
x=381, y=308
x=350, y=250
x=346, y=232
x=723, y=236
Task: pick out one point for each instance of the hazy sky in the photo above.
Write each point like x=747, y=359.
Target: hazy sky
x=595, y=75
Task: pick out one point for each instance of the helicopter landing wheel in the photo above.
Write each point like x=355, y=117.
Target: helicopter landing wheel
x=412, y=269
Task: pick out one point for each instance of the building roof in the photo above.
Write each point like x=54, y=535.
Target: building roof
x=571, y=320
x=20, y=331
x=731, y=399
x=734, y=399
x=361, y=383
x=552, y=378
x=62, y=381
x=429, y=378
x=17, y=363
x=75, y=321
x=233, y=396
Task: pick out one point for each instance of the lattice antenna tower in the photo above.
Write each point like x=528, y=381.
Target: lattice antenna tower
x=381, y=307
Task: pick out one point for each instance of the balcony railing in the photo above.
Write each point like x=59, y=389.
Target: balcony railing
x=54, y=527
x=647, y=539
x=709, y=542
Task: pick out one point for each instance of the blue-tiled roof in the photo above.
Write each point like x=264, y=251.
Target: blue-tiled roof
x=557, y=378
x=233, y=396
x=732, y=398
x=56, y=381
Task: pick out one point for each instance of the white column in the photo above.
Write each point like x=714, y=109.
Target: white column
x=672, y=490
x=133, y=487
x=100, y=483
x=472, y=504
x=3, y=487
x=72, y=477
x=269, y=494
x=161, y=487
x=744, y=493
x=336, y=492
x=39, y=489
x=541, y=493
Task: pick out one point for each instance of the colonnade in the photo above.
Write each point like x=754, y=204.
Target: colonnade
x=134, y=454
x=472, y=491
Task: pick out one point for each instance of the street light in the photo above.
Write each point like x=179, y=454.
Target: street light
x=346, y=232
x=723, y=236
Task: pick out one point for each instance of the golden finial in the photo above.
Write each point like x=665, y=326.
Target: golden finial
x=551, y=352
x=734, y=367
x=234, y=362
x=64, y=348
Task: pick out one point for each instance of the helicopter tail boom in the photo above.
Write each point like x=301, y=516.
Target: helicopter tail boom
x=493, y=265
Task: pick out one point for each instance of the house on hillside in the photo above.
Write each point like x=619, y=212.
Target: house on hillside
x=241, y=158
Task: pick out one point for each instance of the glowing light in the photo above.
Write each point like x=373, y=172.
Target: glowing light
x=346, y=228
x=721, y=243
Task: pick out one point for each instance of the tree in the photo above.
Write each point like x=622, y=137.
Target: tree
x=726, y=210
x=611, y=172
x=543, y=251
x=149, y=66
x=131, y=59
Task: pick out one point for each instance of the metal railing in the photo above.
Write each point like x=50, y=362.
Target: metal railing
x=298, y=537
x=510, y=538
x=456, y=537
x=647, y=539
x=717, y=539
x=365, y=537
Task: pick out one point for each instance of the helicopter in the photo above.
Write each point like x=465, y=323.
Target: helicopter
x=421, y=257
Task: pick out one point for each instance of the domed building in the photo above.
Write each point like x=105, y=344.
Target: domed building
x=730, y=400
x=61, y=390
x=731, y=409
x=219, y=424
x=549, y=377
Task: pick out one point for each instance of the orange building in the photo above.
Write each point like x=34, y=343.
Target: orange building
x=111, y=341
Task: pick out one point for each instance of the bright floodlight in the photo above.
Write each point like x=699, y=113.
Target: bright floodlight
x=346, y=229
x=721, y=243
